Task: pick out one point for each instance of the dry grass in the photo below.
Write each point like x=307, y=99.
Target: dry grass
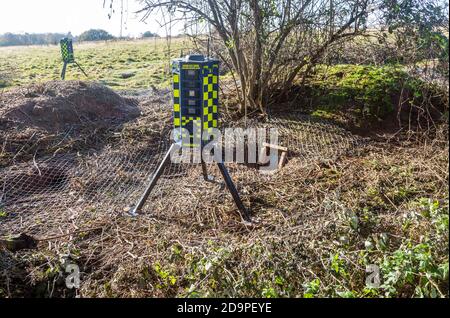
x=315, y=219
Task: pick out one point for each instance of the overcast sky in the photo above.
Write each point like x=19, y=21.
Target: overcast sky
x=76, y=16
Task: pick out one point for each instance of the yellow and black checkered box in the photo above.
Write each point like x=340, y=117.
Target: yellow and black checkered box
x=196, y=97
x=67, y=50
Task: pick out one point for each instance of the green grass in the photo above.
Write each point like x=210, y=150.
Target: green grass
x=119, y=65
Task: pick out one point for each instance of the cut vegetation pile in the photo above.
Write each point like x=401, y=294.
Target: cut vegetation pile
x=59, y=106
x=47, y=117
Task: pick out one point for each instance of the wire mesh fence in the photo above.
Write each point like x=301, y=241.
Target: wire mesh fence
x=46, y=196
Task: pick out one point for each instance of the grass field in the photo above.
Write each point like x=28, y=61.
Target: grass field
x=119, y=65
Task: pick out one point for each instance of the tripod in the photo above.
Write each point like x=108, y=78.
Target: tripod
x=223, y=170
x=63, y=73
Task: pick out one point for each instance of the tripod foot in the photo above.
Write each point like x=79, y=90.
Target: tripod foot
x=209, y=178
x=131, y=211
x=134, y=213
x=206, y=176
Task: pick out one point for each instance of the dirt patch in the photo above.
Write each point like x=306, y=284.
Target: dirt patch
x=58, y=106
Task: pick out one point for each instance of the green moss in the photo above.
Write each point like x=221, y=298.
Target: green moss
x=362, y=90
x=321, y=113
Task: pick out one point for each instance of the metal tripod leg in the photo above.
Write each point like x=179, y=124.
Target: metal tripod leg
x=63, y=73
x=230, y=185
x=206, y=176
x=79, y=66
x=152, y=183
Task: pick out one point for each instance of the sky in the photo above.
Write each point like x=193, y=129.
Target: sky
x=76, y=16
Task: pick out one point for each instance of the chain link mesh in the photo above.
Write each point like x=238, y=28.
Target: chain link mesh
x=45, y=196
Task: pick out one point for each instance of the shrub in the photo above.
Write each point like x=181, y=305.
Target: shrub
x=149, y=34
x=370, y=92
x=95, y=35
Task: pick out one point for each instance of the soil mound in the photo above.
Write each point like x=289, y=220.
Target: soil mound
x=59, y=105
